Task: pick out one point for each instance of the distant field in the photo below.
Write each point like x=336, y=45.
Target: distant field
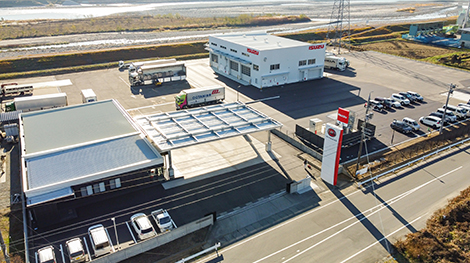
x=143, y=23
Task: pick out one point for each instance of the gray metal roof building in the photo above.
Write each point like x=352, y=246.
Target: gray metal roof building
x=69, y=146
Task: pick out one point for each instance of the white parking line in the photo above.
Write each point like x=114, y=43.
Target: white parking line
x=151, y=106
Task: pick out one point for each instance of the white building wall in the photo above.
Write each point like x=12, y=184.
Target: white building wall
x=276, y=66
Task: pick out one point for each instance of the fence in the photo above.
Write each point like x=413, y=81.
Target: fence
x=152, y=243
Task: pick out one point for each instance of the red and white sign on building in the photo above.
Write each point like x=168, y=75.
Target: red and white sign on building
x=315, y=47
x=343, y=115
x=331, y=153
x=252, y=51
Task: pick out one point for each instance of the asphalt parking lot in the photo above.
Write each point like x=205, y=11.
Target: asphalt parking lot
x=370, y=73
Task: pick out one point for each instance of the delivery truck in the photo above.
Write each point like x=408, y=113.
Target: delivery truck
x=88, y=96
x=158, y=73
x=334, y=62
x=39, y=102
x=198, y=97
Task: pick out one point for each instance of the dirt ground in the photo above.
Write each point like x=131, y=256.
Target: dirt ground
x=406, y=49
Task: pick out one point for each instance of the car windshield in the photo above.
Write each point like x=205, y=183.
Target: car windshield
x=76, y=254
x=147, y=230
x=164, y=220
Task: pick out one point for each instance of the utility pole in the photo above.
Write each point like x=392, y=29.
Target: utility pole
x=4, y=249
x=451, y=90
x=362, y=132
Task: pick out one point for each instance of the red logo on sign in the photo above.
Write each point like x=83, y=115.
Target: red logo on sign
x=331, y=132
x=216, y=91
x=316, y=47
x=343, y=115
x=252, y=51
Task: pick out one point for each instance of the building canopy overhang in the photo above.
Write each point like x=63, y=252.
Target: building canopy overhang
x=173, y=130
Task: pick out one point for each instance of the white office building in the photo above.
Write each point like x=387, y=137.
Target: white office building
x=264, y=60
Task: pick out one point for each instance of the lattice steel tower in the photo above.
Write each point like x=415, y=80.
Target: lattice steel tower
x=339, y=29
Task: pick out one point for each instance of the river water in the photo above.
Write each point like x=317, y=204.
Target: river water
x=199, y=8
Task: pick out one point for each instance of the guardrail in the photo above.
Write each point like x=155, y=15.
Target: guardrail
x=414, y=161
x=214, y=247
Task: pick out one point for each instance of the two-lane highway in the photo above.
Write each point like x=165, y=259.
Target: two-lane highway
x=358, y=225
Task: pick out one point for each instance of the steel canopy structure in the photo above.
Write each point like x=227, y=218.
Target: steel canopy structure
x=173, y=130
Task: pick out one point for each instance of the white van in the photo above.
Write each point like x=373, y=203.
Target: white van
x=460, y=112
x=100, y=241
x=450, y=114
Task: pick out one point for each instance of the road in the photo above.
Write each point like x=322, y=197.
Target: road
x=358, y=225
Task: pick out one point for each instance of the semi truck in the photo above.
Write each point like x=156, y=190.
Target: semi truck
x=163, y=220
x=198, y=97
x=39, y=102
x=157, y=73
x=334, y=62
x=14, y=88
x=88, y=96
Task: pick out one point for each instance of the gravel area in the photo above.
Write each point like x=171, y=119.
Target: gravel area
x=362, y=14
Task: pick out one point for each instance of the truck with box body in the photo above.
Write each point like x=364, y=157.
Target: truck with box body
x=198, y=97
x=334, y=62
x=14, y=88
x=88, y=96
x=157, y=73
x=163, y=220
x=39, y=102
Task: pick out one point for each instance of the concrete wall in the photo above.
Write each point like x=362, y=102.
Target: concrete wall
x=297, y=144
x=157, y=241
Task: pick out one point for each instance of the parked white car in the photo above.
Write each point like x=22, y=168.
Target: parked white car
x=394, y=103
x=467, y=107
x=76, y=251
x=432, y=121
x=142, y=226
x=100, y=241
x=412, y=123
x=460, y=112
x=416, y=95
x=450, y=114
x=46, y=255
x=401, y=99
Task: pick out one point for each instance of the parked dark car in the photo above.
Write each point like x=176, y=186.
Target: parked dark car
x=400, y=126
x=384, y=101
x=408, y=96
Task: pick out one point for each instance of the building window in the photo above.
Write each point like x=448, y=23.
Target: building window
x=89, y=190
x=233, y=65
x=244, y=54
x=223, y=47
x=311, y=61
x=215, y=58
x=102, y=187
x=246, y=70
x=83, y=191
x=115, y=183
x=214, y=44
x=302, y=63
x=233, y=50
x=275, y=66
x=255, y=67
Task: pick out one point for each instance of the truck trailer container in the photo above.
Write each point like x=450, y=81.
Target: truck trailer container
x=136, y=65
x=39, y=102
x=88, y=96
x=334, y=62
x=198, y=97
x=158, y=73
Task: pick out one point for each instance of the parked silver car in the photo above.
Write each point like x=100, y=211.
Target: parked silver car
x=142, y=226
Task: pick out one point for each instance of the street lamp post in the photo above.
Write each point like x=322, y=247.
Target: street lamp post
x=362, y=133
x=115, y=232
x=451, y=90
